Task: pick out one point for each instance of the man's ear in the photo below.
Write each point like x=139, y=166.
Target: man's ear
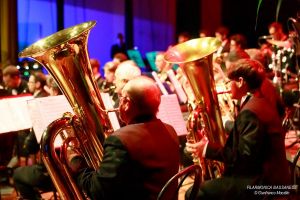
x=240, y=82
x=127, y=105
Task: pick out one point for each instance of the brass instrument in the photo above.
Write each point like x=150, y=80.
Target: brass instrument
x=65, y=56
x=195, y=59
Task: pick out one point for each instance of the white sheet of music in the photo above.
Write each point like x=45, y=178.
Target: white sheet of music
x=170, y=113
x=177, y=86
x=45, y=110
x=159, y=83
x=14, y=114
x=109, y=106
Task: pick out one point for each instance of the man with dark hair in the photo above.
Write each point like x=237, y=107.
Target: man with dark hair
x=36, y=83
x=138, y=158
x=119, y=47
x=254, y=153
x=13, y=81
x=222, y=34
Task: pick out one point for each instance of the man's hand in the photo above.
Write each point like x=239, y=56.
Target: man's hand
x=196, y=149
x=75, y=163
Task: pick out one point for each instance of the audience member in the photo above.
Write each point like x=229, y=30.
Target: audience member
x=138, y=158
x=254, y=151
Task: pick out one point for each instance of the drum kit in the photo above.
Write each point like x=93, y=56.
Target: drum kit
x=283, y=64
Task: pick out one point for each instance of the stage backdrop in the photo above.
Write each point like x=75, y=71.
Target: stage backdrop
x=153, y=29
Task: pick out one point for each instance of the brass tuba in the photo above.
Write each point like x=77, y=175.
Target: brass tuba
x=65, y=56
x=194, y=57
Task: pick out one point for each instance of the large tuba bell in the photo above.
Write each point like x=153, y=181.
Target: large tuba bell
x=194, y=57
x=65, y=56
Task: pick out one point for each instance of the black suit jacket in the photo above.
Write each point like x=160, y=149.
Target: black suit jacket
x=255, y=146
x=138, y=160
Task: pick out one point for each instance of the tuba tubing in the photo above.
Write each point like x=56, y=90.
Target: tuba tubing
x=194, y=57
x=64, y=54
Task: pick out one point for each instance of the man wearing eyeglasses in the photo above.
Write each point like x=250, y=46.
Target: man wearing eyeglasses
x=140, y=157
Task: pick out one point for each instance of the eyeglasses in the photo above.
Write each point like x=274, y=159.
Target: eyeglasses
x=121, y=97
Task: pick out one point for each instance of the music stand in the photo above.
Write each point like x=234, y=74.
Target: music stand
x=135, y=55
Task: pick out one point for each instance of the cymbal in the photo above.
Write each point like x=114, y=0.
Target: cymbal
x=280, y=43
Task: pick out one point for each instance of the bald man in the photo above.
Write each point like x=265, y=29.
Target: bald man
x=138, y=158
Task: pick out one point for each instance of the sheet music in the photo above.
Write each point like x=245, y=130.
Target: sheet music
x=45, y=110
x=170, y=113
x=159, y=83
x=178, y=88
x=14, y=114
x=109, y=106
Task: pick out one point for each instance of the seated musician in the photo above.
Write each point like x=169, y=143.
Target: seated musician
x=107, y=85
x=28, y=180
x=138, y=158
x=254, y=153
x=163, y=67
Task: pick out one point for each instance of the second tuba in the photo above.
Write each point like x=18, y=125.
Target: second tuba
x=65, y=56
x=194, y=58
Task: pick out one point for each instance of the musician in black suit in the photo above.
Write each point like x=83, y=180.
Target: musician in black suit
x=36, y=84
x=119, y=47
x=138, y=158
x=13, y=81
x=254, y=153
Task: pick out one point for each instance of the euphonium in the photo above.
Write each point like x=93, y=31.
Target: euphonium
x=65, y=56
x=194, y=57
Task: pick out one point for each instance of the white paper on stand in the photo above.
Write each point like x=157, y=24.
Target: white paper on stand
x=14, y=114
x=170, y=113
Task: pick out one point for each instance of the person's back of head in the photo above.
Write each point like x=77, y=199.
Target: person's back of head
x=258, y=55
x=144, y=95
x=234, y=56
x=249, y=70
x=125, y=71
